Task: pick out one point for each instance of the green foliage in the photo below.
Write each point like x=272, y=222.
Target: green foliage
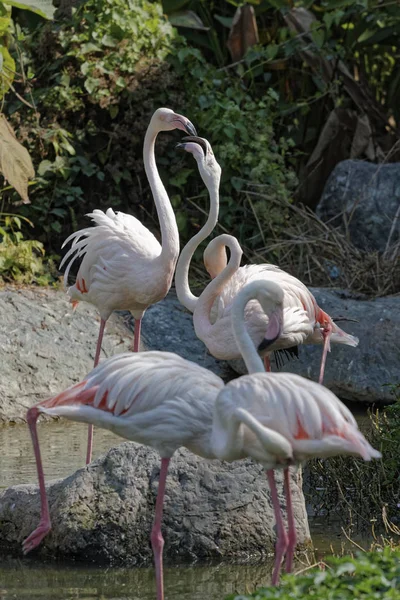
x=111, y=39
x=368, y=577
x=20, y=260
x=98, y=80
x=240, y=130
x=333, y=57
x=336, y=487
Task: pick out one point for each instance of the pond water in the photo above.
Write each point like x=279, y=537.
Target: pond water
x=63, y=447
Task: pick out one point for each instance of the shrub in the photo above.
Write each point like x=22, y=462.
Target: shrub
x=98, y=79
x=21, y=260
x=367, y=577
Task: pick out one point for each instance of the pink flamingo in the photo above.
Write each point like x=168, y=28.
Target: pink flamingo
x=124, y=267
x=305, y=322
x=164, y=401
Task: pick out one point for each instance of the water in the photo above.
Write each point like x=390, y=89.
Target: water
x=63, y=446
x=25, y=579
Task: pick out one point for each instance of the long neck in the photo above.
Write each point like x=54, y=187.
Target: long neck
x=246, y=345
x=183, y=291
x=169, y=230
x=201, y=316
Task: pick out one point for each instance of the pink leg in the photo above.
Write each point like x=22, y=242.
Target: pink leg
x=44, y=524
x=157, y=540
x=267, y=363
x=281, y=535
x=96, y=362
x=136, y=342
x=291, y=523
x=326, y=333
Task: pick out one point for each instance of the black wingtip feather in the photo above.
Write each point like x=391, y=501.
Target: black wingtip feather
x=285, y=354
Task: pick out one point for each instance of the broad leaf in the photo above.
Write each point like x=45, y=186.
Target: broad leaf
x=7, y=70
x=44, y=8
x=15, y=162
x=187, y=18
x=170, y=6
x=5, y=18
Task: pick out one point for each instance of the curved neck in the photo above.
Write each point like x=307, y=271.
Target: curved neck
x=246, y=345
x=201, y=315
x=169, y=230
x=183, y=291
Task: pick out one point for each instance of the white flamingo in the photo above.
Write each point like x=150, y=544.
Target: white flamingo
x=124, y=267
x=304, y=320
x=164, y=401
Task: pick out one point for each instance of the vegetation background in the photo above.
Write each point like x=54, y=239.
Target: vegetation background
x=283, y=90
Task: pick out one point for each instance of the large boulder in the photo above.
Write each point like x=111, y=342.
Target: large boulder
x=46, y=347
x=105, y=512
x=360, y=374
x=364, y=199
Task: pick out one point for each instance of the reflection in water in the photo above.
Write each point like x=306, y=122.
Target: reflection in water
x=27, y=579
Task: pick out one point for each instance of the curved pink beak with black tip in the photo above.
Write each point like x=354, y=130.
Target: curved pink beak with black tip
x=273, y=332
x=184, y=124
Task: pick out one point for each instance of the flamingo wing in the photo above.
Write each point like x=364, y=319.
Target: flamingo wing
x=308, y=415
x=150, y=397
x=116, y=242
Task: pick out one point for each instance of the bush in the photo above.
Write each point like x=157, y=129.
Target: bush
x=21, y=260
x=368, y=577
x=95, y=90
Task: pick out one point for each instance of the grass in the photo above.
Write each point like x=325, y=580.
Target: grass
x=313, y=251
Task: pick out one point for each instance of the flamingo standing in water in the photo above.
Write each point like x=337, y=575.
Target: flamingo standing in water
x=304, y=322
x=124, y=267
x=164, y=401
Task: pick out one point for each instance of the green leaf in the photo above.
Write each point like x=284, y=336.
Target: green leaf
x=189, y=19
x=44, y=167
x=7, y=71
x=318, y=37
x=5, y=18
x=89, y=47
x=225, y=21
x=271, y=51
x=109, y=41
x=91, y=84
x=44, y=8
x=170, y=6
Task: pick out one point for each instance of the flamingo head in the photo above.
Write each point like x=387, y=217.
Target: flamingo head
x=209, y=169
x=270, y=296
x=165, y=119
x=215, y=258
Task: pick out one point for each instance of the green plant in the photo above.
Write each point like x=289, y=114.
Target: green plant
x=86, y=127
x=368, y=576
x=20, y=260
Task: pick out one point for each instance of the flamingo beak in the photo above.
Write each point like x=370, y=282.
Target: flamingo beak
x=273, y=332
x=184, y=124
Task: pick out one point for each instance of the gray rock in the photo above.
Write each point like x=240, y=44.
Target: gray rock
x=369, y=196
x=105, y=512
x=46, y=347
x=359, y=374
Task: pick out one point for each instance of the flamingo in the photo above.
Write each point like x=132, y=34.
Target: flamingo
x=164, y=401
x=124, y=267
x=305, y=321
